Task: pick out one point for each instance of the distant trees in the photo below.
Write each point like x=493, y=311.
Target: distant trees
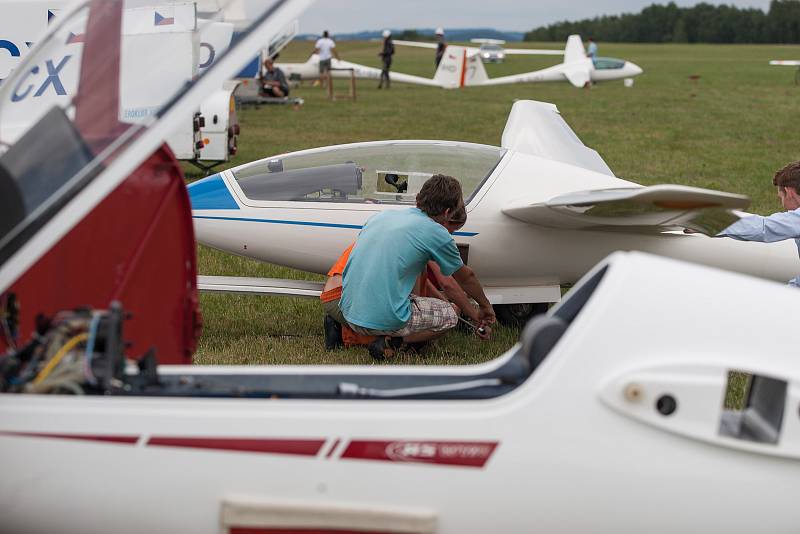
x=413, y=35
x=702, y=23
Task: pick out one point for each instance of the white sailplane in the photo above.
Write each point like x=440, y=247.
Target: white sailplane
x=462, y=66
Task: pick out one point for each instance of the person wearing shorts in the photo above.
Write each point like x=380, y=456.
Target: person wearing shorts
x=390, y=252
x=325, y=48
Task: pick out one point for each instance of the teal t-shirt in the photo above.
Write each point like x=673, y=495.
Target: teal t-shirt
x=390, y=253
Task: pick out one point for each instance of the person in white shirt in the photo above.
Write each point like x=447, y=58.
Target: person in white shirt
x=325, y=48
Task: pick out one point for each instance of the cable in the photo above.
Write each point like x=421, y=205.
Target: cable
x=351, y=389
x=87, y=369
x=68, y=346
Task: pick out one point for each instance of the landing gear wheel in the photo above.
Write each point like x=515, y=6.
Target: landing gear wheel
x=518, y=314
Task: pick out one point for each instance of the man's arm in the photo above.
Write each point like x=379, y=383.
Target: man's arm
x=469, y=282
x=776, y=227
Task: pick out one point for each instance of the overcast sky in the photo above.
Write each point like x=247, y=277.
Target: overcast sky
x=344, y=16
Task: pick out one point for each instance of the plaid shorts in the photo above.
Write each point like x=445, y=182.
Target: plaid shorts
x=427, y=314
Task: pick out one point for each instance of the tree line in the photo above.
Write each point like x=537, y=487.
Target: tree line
x=702, y=23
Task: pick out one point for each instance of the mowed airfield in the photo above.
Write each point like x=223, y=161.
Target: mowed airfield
x=713, y=116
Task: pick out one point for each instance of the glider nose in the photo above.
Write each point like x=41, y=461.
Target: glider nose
x=633, y=69
x=211, y=194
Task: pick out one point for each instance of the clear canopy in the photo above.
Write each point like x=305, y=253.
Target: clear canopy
x=608, y=63
x=386, y=171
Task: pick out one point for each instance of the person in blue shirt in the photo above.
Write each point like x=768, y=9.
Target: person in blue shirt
x=390, y=252
x=591, y=49
x=778, y=226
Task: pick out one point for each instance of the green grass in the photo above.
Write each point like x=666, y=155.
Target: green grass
x=730, y=129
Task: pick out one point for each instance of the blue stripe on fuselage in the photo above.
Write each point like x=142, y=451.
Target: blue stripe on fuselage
x=303, y=223
x=211, y=194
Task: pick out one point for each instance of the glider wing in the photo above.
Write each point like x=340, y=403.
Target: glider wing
x=653, y=209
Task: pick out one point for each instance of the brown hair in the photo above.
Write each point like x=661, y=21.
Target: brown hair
x=440, y=193
x=459, y=216
x=788, y=176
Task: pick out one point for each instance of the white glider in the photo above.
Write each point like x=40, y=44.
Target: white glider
x=616, y=395
x=461, y=67
x=543, y=208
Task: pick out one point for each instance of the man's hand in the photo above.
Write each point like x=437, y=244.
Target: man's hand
x=487, y=332
x=486, y=315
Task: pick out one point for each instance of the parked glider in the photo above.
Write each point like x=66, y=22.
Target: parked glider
x=615, y=397
x=462, y=68
x=625, y=380
x=543, y=208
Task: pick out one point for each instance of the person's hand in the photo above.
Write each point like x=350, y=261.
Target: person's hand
x=487, y=332
x=486, y=315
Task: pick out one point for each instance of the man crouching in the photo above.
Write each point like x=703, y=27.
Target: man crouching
x=391, y=251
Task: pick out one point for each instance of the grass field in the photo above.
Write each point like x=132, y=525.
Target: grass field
x=730, y=129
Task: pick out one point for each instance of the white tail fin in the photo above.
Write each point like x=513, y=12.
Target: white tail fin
x=458, y=68
x=476, y=73
x=574, y=50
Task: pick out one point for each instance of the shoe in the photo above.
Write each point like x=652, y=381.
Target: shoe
x=384, y=347
x=333, y=333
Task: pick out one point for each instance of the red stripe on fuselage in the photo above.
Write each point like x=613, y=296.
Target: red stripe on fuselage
x=463, y=68
x=130, y=440
x=301, y=447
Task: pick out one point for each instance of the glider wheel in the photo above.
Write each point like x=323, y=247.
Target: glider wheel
x=518, y=314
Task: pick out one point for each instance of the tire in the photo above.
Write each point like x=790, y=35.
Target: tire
x=518, y=314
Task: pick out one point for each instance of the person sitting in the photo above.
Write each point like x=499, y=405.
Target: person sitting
x=390, y=252
x=273, y=81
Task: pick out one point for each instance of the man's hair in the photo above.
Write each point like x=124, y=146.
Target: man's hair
x=788, y=176
x=440, y=193
x=325, y=33
x=459, y=216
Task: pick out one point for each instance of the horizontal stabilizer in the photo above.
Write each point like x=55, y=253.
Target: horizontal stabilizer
x=656, y=208
x=537, y=128
x=786, y=62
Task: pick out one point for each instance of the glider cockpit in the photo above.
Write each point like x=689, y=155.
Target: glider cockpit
x=381, y=172
x=608, y=63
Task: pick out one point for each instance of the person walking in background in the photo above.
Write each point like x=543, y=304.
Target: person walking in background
x=325, y=48
x=386, y=56
x=440, y=46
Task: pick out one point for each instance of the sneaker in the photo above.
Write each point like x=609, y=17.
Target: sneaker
x=384, y=347
x=333, y=333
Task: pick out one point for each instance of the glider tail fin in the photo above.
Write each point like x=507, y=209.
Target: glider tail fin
x=459, y=68
x=574, y=50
